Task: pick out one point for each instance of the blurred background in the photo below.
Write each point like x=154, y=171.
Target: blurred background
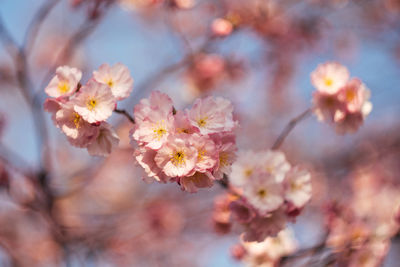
x=99, y=212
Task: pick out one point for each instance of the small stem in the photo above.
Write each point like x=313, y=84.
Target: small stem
x=289, y=127
x=126, y=114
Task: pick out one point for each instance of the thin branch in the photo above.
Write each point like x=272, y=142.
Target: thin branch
x=36, y=23
x=126, y=114
x=289, y=127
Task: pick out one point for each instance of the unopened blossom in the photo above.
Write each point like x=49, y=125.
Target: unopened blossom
x=106, y=140
x=154, y=130
x=65, y=83
x=212, y=115
x=298, y=186
x=221, y=27
x=330, y=77
x=194, y=182
x=177, y=157
x=80, y=133
x=94, y=102
x=117, y=77
x=264, y=193
x=157, y=101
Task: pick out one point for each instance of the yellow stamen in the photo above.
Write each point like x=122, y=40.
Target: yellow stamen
x=200, y=154
x=328, y=81
x=223, y=159
x=262, y=193
x=110, y=82
x=350, y=95
x=91, y=104
x=159, y=132
x=178, y=158
x=202, y=122
x=63, y=87
x=77, y=120
x=248, y=172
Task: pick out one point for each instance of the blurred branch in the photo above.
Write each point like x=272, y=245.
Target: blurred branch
x=126, y=114
x=36, y=23
x=289, y=127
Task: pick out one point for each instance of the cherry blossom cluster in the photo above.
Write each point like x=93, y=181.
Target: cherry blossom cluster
x=268, y=252
x=339, y=100
x=81, y=111
x=266, y=193
x=193, y=147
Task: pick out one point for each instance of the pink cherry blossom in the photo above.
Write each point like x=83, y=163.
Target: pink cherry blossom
x=107, y=140
x=153, y=132
x=182, y=124
x=145, y=158
x=212, y=115
x=221, y=27
x=298, y=187
x=354, y=95
x=329, y=77
x=275, y=164
x=207, y=153
x=197, y=180
x=94, y=102
x=226, y=156
x=247, y=164
x=80, y=133
x=65, y=83
x=157, y=101
x=264, y=193
x=327, y=107
x=117, y=78
x=177, y=157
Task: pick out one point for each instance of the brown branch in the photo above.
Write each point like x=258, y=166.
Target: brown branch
x=126, y=114
x=289, y=127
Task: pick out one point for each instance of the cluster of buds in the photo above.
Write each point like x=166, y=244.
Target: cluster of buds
x=339, y=99
x=80, y=112
x=266, y=192
x=193, y=147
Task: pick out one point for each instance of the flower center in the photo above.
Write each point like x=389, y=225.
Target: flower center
x=202, y=122
x=200, y=154
x=110, y=82
x=262, y=193
x=248, y=172
x=223, y=158
x=350, y=95
x=91, y=104
x=159, y=132
x=328, y=81
x=77, y=120
x=63, y=87
x=178, y=158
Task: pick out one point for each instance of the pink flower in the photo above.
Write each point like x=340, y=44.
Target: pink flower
x=52, y=105
x=106, y=141
x=275, y=164
x=212, y=115
x=221, y=27
x=64, y=83
x=177, y=157
x=327, y=107
x=182, y=124
x=207, y=153
x=94, y=102
x=157, y=101
x=117, y=78
x=153, y=132
x=241, y=211
x=226, y=156
x=298, y=187
x=145, y=158
x=247, y=165
x=262, y=227
x=80, y=133
x=197, y=180
x=330, y=77
x=264, y=193
x=354, y=95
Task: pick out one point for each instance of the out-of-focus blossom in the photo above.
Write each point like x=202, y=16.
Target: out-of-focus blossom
x=195, y=181
x=117, y=77
x=269, y=251
x=65, y=83
x=106, y=140
x=94, y=102
x=221, y=27
x=298, y=187
x=330, y=77
x=157, y=101
x=339, y=100
x=183, y=4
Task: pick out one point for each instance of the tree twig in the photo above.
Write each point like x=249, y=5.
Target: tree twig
x=126, y=114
